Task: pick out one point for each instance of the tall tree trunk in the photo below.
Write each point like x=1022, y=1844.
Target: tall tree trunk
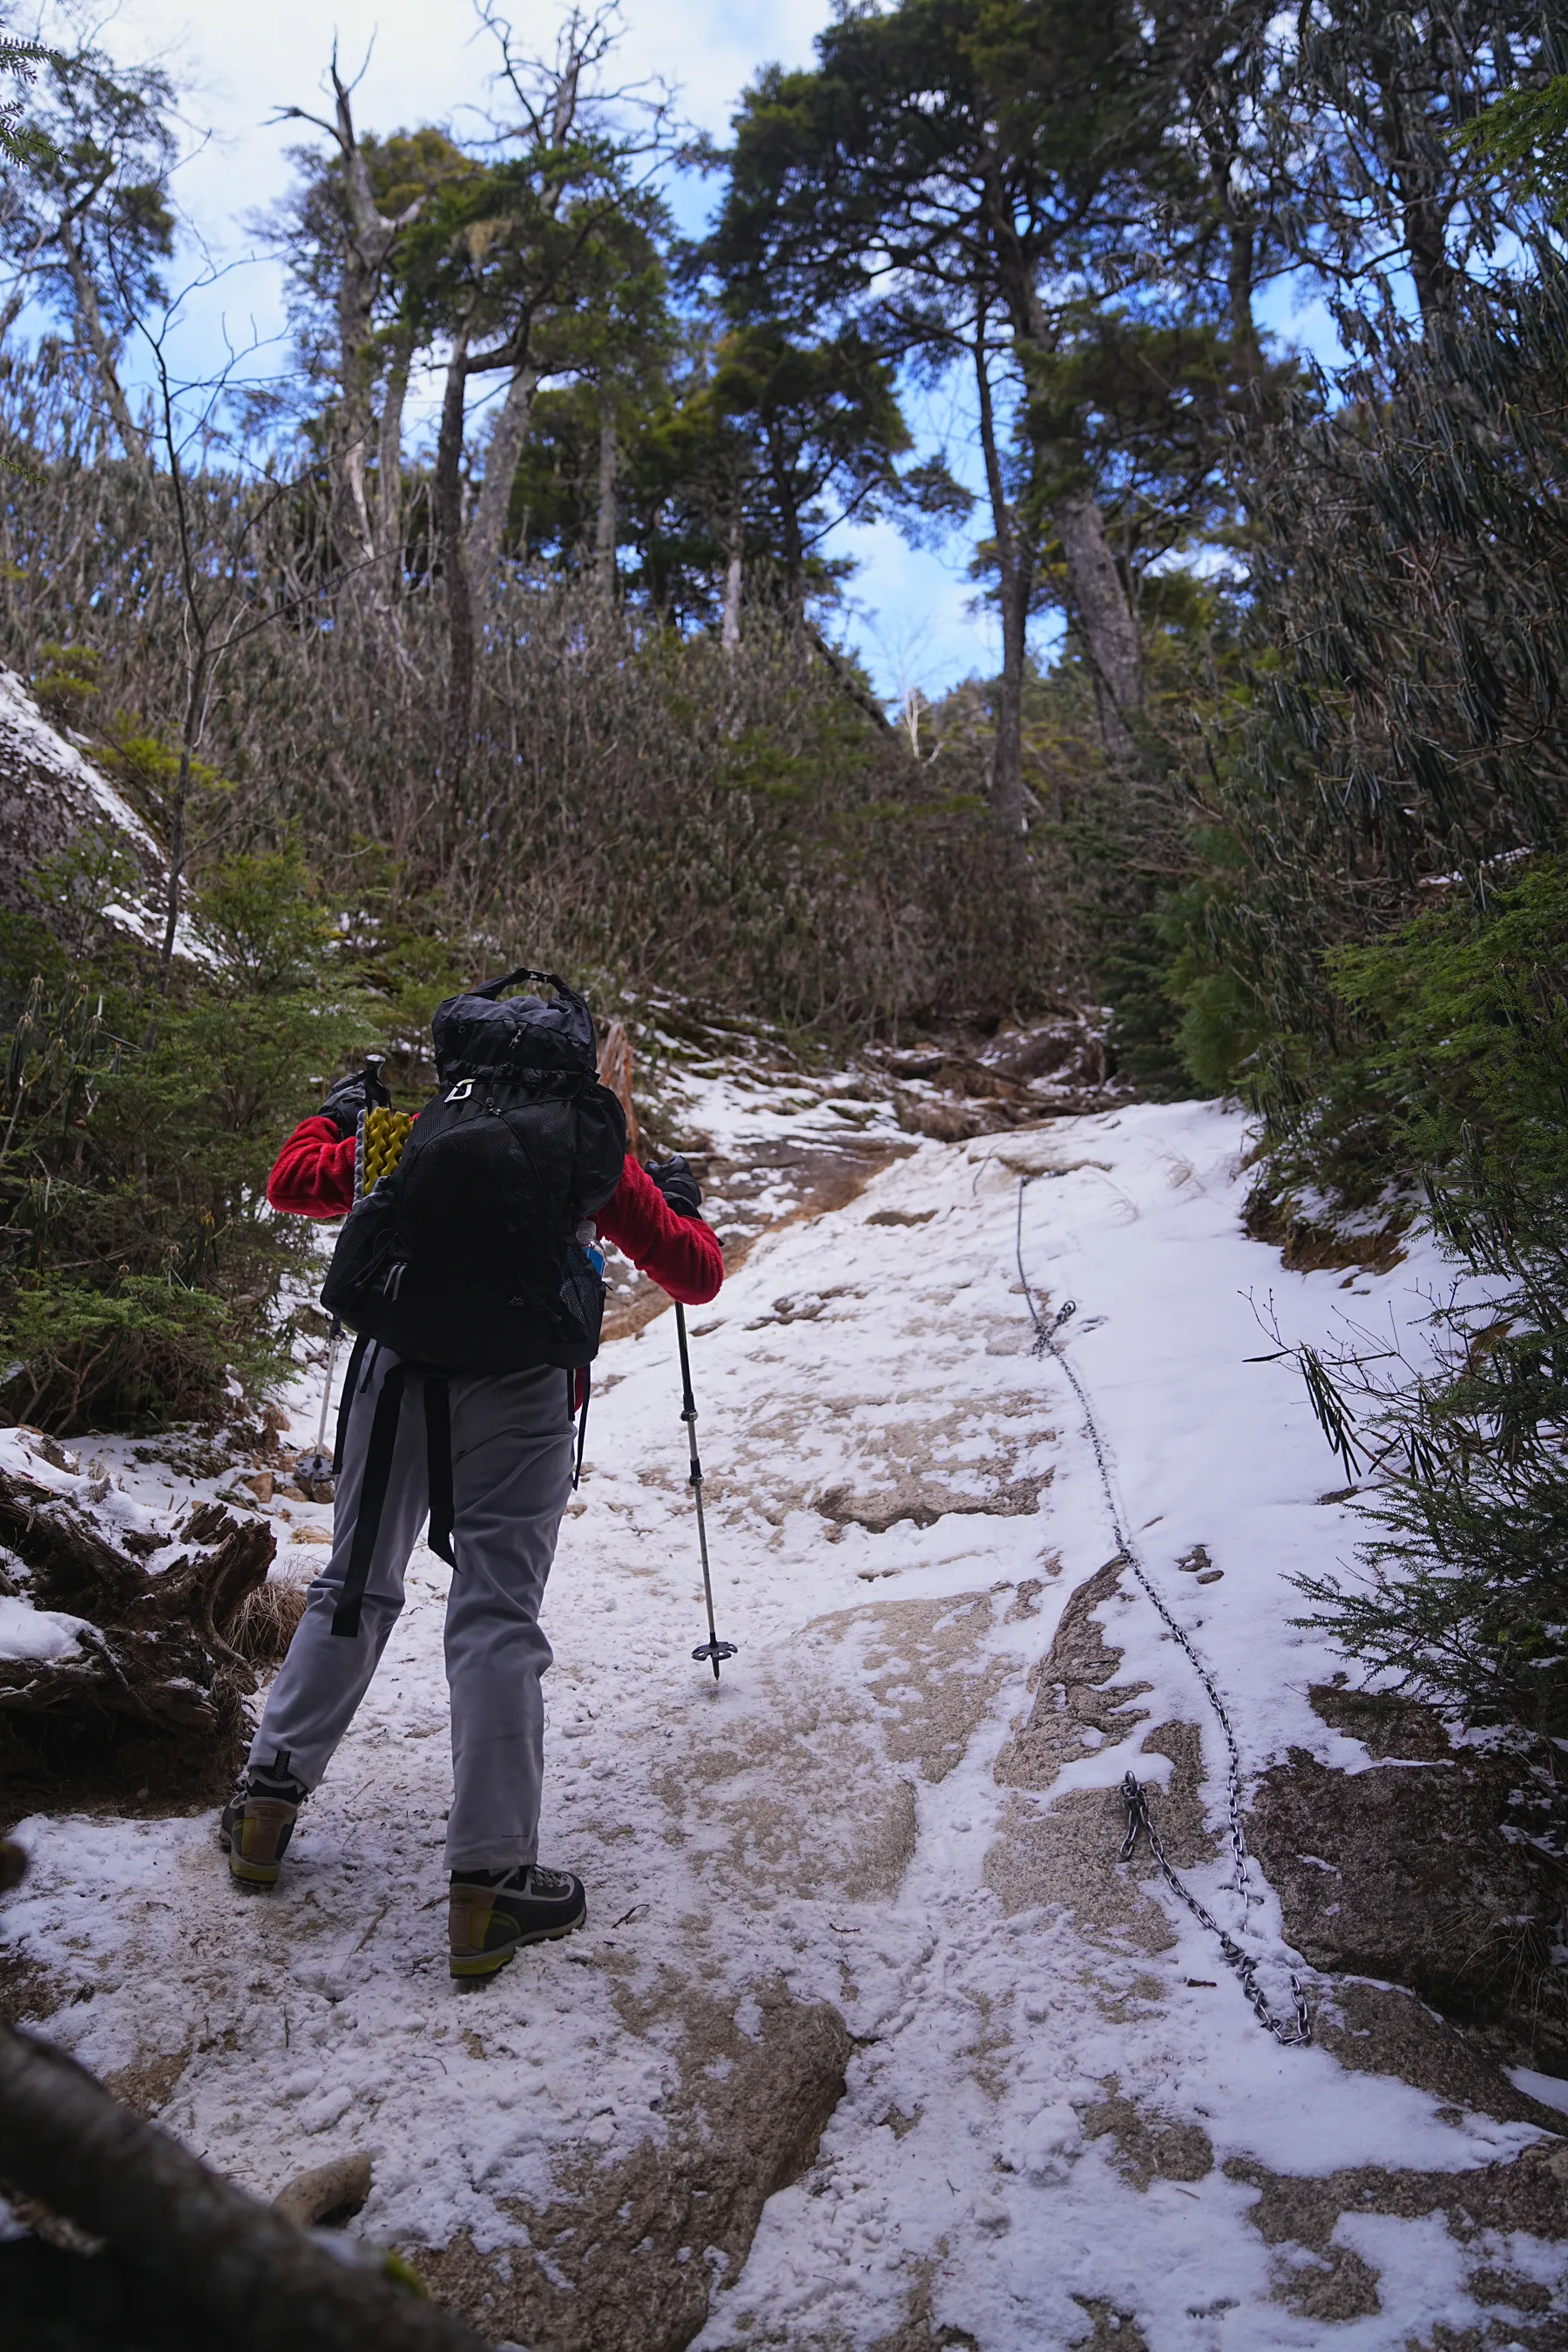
x=1425, y=218
x=1109, y=633
x=1094, y=585
x=793, y=550
x=1014, y=574
x=356, y=302
x=1424, y=194
x=608, y=518
x=454, y=571
x=734, y=577
x=1213, y=81
x=353, y=500
x=176, y=811
x=1239, y=273
x=487, y=528
x=389, y=470
x=101, y=347
x=370, y=239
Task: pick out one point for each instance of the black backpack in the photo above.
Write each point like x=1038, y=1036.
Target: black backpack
x=463, y=1257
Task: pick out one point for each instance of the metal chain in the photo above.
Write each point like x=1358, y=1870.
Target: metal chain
x=1046, y=1344
x=1139, y=1824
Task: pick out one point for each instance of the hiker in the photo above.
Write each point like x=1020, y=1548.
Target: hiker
x=468, y=1274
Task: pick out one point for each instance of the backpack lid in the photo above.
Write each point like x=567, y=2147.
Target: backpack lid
x=477, y=1036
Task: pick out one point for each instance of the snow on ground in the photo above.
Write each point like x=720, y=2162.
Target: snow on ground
x=902, y=1499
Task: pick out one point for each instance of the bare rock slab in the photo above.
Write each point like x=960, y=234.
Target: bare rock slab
x=1375, y=2029
x=1325, y=2280
x=630, y=2254
x=1079, y=1708
x=1403, y=1872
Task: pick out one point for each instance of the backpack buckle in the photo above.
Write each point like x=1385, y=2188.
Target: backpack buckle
x=464, y=1087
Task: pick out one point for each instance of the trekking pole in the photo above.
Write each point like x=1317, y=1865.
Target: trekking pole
x=311, y=1468
x=315, y=1467
x=713, y=1649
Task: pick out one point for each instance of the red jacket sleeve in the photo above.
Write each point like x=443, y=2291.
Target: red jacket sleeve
x=681, y=1253
x=313, y=1175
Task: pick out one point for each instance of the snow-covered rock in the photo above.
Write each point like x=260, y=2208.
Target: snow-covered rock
x=32, y=1635
x=50, y=793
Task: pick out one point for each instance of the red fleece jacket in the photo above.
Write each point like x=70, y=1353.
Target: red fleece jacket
x=314, y=1177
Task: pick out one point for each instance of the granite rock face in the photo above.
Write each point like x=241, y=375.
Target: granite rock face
x=630, y=2254
x=1404, y=1872
x=48, y=794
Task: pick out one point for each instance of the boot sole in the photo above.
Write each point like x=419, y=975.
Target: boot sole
x=253, y=1875
x=474, y=1968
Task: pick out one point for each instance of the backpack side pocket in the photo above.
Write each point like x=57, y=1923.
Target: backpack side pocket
x=364, y=1249
x=583, y=1295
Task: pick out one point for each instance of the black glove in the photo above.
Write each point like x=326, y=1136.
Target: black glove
x=676, y=1183
x=344, y=1103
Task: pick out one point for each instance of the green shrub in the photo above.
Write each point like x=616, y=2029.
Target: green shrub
x=1464, y=1059
x=137, y=1355
x=143, y=1277
x=1460, y=1080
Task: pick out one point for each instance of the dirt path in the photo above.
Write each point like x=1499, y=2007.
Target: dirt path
x=870, y=2040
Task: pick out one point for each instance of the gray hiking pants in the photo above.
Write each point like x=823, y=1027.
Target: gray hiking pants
x=511, y=1474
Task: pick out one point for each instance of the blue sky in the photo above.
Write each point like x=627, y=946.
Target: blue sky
x=908, y=610
x=911, y=612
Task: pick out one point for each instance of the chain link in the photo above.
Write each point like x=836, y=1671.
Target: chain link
x=1140, y=1824
x=1137, y=1805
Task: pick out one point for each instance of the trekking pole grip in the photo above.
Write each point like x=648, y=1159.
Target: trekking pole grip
x=688, y=1401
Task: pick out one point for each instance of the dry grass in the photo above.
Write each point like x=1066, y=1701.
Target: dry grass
x=1309, y=1246
x=639, y=806
x=264, y=1623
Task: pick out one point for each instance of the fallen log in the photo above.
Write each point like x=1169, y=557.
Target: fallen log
x=171, y=2227
x=55, y=2301
x=76, y=1569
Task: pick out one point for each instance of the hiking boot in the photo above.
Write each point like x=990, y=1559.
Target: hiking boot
x=495, y=1912
x=257, y=1823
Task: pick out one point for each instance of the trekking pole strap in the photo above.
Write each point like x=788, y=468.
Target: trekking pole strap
x=583, y=1418
x=439, y=1466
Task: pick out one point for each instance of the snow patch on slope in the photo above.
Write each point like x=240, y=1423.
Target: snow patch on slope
x=50, y=792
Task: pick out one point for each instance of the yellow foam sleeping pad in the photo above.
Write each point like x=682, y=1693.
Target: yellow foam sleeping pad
x=382, y=1136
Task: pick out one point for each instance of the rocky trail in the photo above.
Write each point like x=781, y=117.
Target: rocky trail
x=873, y=2041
